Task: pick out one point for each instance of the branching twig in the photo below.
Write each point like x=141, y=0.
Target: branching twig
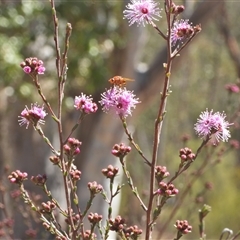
x=61, y=69
x=159, y=120
x=130, y=138
x=130, y=183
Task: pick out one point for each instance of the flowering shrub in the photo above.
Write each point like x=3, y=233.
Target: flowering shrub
x=211, y=126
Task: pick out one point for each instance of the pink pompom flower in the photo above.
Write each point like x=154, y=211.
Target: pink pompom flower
x=34, y=115
x=118, y=100
x=181, y=30
x=213, y=125
x=85, y=104
x=142, y=12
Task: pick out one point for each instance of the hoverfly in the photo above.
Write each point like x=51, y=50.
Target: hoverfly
x=119, y=81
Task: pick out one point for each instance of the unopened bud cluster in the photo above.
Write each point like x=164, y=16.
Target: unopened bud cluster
x=186, y=154
x=33, y=65
x=110, y=172
x=47, y=207
x=39, y=179
x=120, y=150
x=167, y=190
x=118, y=225
x=94, y=218
x=161, y=173
x=72, y=148
x=133, y=232
x=55, y=160
x=17, y=176
x=75, y=174
x=95, y=188
x=183, y=226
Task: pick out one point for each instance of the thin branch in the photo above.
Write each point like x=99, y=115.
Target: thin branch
x=136, y=146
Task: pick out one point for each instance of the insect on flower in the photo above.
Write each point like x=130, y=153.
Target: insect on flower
x=119, y=81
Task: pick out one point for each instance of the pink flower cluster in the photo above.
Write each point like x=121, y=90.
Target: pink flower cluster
x=213, y=125
x=34, y=115
x=85, y=104
x=33, y=65
x=181, y=30
x=142, y=11
x=147, y=11
x=119, y=100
